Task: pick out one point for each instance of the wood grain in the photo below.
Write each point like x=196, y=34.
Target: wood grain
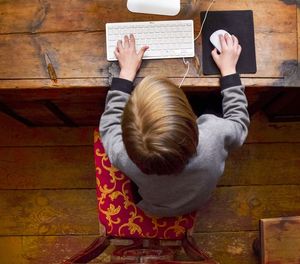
x=73, y=167
x=41, y=249
x=280, y=240
x=260, y=159
x=298, y=30
x=263, y=131
x=61, y=212
x=228, y=248
x=82, y=55
x=263, y=164
x=72, y=33
x=48, y=212
x=83, y=112
x=240, y=208
x=68, y=15
x=14, y=133
x=85, y=105
x=48, y=203
x=36, y=112
x=47, y=167
x=24, y=88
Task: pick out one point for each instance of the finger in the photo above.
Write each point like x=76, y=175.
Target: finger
x=117, y=54
x=235, y=41
x=239, y=49
x=119, y=45
x=215, y=54
x=223, y=42
x=228, y=40
x=132, y=41
x=126, y=42
x=142, y=51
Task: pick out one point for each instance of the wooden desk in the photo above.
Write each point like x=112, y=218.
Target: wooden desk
x=72, y=33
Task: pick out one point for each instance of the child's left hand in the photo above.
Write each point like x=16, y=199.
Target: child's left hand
x=129, y=59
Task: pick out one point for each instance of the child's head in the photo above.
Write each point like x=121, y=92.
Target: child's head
x=159, y=127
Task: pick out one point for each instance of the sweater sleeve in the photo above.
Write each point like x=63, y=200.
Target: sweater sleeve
x=110, y=122
x=234, y=110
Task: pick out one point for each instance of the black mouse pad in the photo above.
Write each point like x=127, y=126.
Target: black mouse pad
x=238, y=23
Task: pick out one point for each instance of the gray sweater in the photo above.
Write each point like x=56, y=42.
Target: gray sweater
x=170, y=195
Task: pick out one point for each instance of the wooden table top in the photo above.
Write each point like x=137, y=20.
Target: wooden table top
x=72, y=32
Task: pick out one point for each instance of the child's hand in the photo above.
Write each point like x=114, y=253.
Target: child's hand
x=227, y=60
x=129, y=60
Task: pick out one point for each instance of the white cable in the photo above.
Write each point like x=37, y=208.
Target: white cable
x=187, y=62
x=187, y=71
x=212, y=2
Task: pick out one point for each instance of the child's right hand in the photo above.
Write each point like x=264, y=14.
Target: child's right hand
x=129, y=59
x=231, y=50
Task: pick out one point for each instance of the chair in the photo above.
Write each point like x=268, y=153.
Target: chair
x=154, y=240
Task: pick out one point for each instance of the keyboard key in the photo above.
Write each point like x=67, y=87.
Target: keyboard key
x=167, y=39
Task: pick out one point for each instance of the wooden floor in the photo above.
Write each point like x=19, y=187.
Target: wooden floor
x=48, y=205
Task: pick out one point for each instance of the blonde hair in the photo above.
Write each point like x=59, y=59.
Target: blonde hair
x=159, y=127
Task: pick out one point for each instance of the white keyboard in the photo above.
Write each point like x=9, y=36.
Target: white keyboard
x=166, y=39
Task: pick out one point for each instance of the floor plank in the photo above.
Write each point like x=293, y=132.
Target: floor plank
x=54, y=167
x=228, y=248
x=73, y=166
x=48, y=212
x=41, y=249
x=240, y=208
x=53, y=212
x=263, y=164
x=48, y=196
x=14, y=133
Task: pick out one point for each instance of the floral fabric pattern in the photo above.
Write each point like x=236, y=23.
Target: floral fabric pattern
x=117, y=211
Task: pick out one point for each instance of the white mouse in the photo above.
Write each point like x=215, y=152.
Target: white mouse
x=215, y=38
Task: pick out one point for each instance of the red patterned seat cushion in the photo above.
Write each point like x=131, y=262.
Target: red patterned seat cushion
x=117, y=211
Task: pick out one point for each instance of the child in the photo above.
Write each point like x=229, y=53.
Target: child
x=152, y=135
